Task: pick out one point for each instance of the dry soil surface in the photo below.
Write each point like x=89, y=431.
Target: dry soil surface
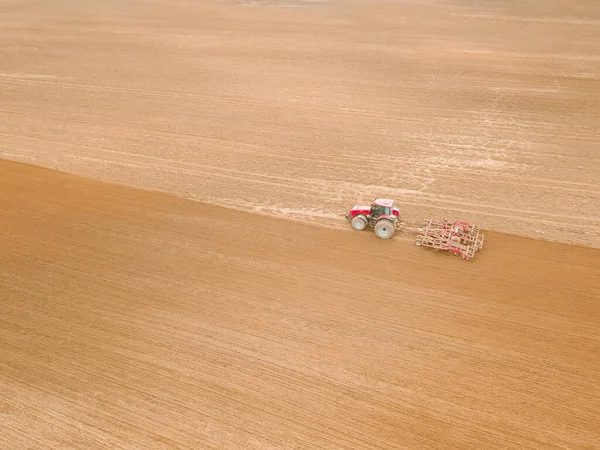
x=481, y=110
x=132, y=319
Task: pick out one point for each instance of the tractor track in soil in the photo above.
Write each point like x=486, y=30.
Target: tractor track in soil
x=133, y=319
x=446, y=203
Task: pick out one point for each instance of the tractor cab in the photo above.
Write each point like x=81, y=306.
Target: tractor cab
x=381, y=207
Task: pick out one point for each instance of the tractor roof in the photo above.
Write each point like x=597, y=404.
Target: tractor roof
x=385, y=202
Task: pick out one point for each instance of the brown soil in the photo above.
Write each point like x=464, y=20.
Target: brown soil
x=485, y=111
x=133, y=319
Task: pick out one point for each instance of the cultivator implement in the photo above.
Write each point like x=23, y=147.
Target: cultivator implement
x=460, y=238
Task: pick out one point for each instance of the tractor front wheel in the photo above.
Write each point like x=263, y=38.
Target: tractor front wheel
x=385, y=228
x=359, y=222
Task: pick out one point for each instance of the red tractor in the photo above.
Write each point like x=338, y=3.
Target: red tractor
x=382, y=216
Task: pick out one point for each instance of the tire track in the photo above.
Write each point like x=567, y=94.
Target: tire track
x=263, y=103
x=343, y=190
x=258, y=150
x=463, y=207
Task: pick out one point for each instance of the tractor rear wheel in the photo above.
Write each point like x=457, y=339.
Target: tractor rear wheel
x=385, y=228
x=359, y=222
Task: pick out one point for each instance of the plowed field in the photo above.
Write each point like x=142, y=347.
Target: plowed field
x=136, y=320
